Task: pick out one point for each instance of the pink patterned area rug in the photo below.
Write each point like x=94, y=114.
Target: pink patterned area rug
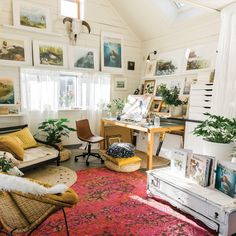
x=113, y=203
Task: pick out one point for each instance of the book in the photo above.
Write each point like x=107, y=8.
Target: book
x=200, y=169
x=226, y=178
x=179, y=158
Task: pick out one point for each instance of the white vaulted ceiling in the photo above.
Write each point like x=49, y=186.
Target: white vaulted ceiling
x=150, y=19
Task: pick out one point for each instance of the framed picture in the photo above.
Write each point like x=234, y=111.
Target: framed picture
x=6, y=91
x=31, y=16
x=83, y=58
x=112, y=53
x=165, y=67
x=149, y=87
x=49, y=54
x=120, y=83
x=131, y=65
x=156, y=105
x=150, y=69
x=14, y=51
x=188, y=81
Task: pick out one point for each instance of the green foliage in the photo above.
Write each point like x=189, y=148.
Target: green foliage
x=5, y=165
x=169, y=96
x=217, y=129
x=119, y=104
x=54, y=129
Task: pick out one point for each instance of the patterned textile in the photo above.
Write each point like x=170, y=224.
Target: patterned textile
x=107, y=207
x=121, y=150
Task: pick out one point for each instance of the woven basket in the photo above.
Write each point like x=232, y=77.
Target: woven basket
x=127, y=168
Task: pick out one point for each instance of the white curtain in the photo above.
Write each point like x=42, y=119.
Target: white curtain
x=224, y=99
x=39, y=95
x=95, y=92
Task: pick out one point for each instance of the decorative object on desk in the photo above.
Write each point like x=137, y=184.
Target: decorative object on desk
x=119, y=106
x=137, y=107
x=131, y=65
x=83, y=58
x=6, y=91
x=200, y=169
x=149, y=87
x=226, y=178
x=171, y=98
x=179, y=160
x=31, y=16
x=156, y=106
x=49, y=54
x=137, y=91
x=112, y=52
x=218, y=133
x=14, y=51
x=164, y=67
x=54, y=129
x=120, y=83
x=74, y=28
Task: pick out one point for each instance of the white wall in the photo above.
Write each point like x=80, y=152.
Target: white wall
x=102, y=17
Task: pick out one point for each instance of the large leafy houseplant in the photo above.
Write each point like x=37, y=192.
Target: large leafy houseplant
x=54, y=129
x=217, y=129
x=170, y=96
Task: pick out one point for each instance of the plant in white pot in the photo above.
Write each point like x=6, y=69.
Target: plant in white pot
x=219, y=134
x=171, y=98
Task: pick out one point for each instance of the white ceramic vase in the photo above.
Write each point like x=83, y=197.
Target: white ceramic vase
x=176, y=110
x=221, y=151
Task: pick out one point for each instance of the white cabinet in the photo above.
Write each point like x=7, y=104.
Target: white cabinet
x=215, y=209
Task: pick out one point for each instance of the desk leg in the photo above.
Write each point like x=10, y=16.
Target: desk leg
x=150, y=149
x=102, y=133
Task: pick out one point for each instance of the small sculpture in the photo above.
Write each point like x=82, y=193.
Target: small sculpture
x=74, y=28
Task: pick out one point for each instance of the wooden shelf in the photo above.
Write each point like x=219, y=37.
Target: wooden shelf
x=31, y=30
x=12, y=115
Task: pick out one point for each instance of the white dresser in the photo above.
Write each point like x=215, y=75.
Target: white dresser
x=215, y=209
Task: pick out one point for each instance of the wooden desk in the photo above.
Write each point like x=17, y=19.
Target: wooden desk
x=150, y=130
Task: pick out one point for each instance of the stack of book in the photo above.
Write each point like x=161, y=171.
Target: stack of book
x=226, y=178
x=199, y=168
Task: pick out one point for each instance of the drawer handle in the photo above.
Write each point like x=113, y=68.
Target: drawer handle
x=216, y=215
x=154, y=183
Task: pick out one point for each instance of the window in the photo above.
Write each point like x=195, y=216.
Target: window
x=72, y=8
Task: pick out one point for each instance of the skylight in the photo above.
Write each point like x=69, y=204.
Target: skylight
x=179, y=5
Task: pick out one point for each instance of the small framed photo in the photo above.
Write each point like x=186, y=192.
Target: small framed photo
x=31, y=16
x=49, y=54
x=120, y=83
x=83, y=58
x=112, y=53
x=156, y=105
x=131, y=65
x=7, y=95
x=149, y=87
x=14, y=51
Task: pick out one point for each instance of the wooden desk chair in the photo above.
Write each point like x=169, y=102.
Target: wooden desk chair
x=84, y=134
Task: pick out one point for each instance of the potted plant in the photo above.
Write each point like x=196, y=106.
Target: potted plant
x=171, y=98
x=219, y=134
x=119, y=106
x=54, y=129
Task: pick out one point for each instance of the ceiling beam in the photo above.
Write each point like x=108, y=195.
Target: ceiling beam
x=193, y=3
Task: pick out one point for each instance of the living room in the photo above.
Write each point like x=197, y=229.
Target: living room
x=121, y=114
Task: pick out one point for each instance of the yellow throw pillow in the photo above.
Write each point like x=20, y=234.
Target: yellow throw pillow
x=123, y=161
x=10, y=144
x=25, y=137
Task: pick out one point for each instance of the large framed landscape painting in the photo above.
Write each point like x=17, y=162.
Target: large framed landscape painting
x=112, y=53
x=14, y=51
x=6, y=91
x=31, y=16
x=83, y=58
x=49, y=54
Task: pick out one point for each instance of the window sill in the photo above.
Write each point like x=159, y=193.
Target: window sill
x=71, y=109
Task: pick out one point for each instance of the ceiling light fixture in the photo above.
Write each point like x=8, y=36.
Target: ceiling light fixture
x=149, y=55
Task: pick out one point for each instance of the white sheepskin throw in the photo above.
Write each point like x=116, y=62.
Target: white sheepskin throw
x=13, y=183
